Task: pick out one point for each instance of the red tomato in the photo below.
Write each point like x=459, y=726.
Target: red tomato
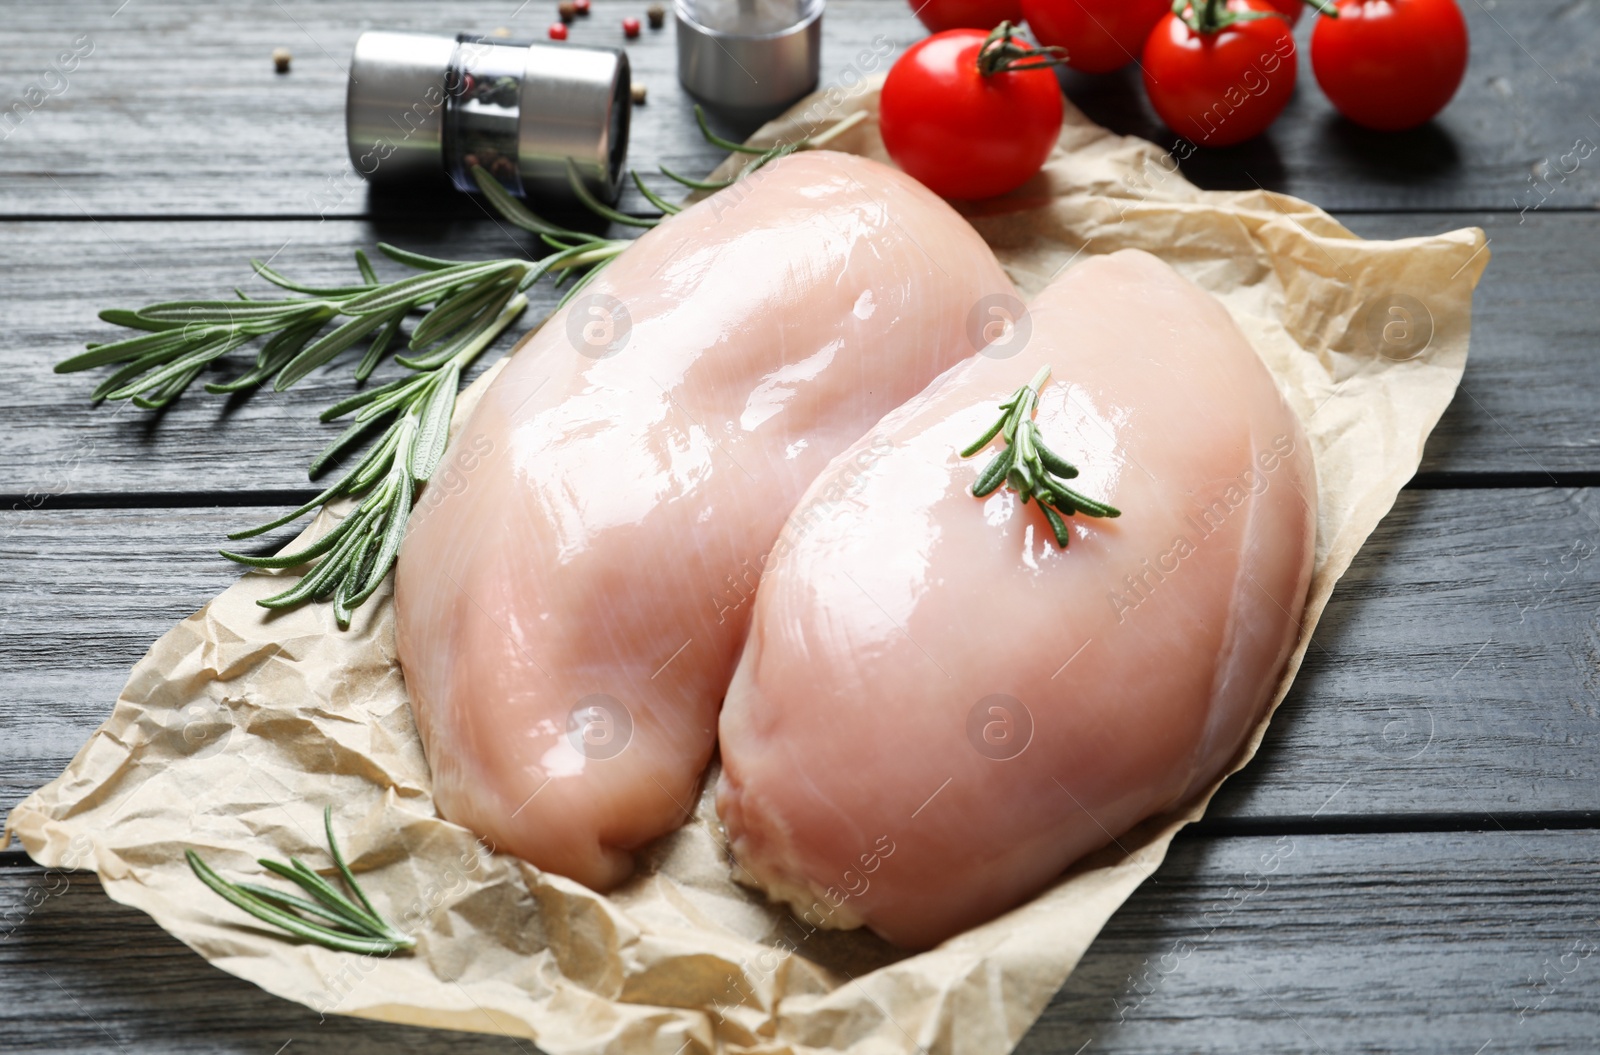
x=1390, y=64
x=1289, y=9
x=940, y=15
x=1225, y=86
x=962, y=132
x=1098, y=35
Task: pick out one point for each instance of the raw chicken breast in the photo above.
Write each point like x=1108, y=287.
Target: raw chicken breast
x=938, y=710
x=572, y=593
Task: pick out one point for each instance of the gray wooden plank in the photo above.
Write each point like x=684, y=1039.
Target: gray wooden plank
x=224, y=134
x=1526, y=405
x=1454, y=670
x=80, y=973
x=1526, y=402
x=1453, y=673
x=1436, y=943
x=1465, y=943
x=218, y=132
x=65, y=445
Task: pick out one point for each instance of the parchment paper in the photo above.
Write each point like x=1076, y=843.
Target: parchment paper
x=238, y=728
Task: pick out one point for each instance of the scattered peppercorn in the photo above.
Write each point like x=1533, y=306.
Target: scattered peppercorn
x=281, y=59
x=657, y=15
x=630, y=28
x=640, y=92
x=567, y=10
x=558, y=31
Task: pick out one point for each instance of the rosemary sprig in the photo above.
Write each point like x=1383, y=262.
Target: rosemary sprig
x=178, y=339
x=1031, y=468
x=463, y=306
x=358, y=553
x=335, y=921
x=761, y=155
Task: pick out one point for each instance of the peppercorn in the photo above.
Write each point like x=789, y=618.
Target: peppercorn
x=567, y=9
x=630, y=28
x=281, y=59
x=558, y=31
x=639, y=92
x=505, y=91
x=657, y=15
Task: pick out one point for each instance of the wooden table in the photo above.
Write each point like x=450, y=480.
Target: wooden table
x=1409, y=865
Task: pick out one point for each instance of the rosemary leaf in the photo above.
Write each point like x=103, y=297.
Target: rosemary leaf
x=419, y=289
x=380, y=344
x=518, y=213
x=716, y=140
x=134, y=321
x=118, y=351
x=459, y=307
x=695, y=184
x=1030, y=467
x=433, y=428
x=600, y=208
x=653, y=198
x=364, y=266
x=294, y=560
x=338, y=922
x=231, y=312
x=323, y=349
x=317, y=291
x=361, y=399
x=415, y=260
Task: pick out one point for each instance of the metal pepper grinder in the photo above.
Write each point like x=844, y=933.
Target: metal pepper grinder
x=749, y=58
x=420, y=104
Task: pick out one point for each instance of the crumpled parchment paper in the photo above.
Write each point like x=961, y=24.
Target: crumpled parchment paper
x=238, y=727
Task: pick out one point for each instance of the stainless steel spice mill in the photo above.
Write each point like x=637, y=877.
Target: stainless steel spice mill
x=419, y=105
x=752, y=57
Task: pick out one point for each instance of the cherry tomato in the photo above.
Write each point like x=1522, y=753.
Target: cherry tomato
x=1098, y=35
x=1289, y=9
x=557, y=31
x=1390, y=64
x=940, y=15
x=962, y=132
x=1220, y=87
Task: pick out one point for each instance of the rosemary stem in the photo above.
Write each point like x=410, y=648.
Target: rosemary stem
x=606, y=251
x=514, y=307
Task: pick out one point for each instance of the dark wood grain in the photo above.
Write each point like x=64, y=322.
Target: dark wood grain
x=1526, y=405
x=59, y=443
x=1450, y=693
x=80, y=973
x=218, y=132
x=1300, y=944
x=1454, y=670
x=1452, y=674
x=1314, y=944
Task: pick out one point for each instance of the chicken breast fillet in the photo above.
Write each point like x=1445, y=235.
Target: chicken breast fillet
x=573, y=591
x=938, y=709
